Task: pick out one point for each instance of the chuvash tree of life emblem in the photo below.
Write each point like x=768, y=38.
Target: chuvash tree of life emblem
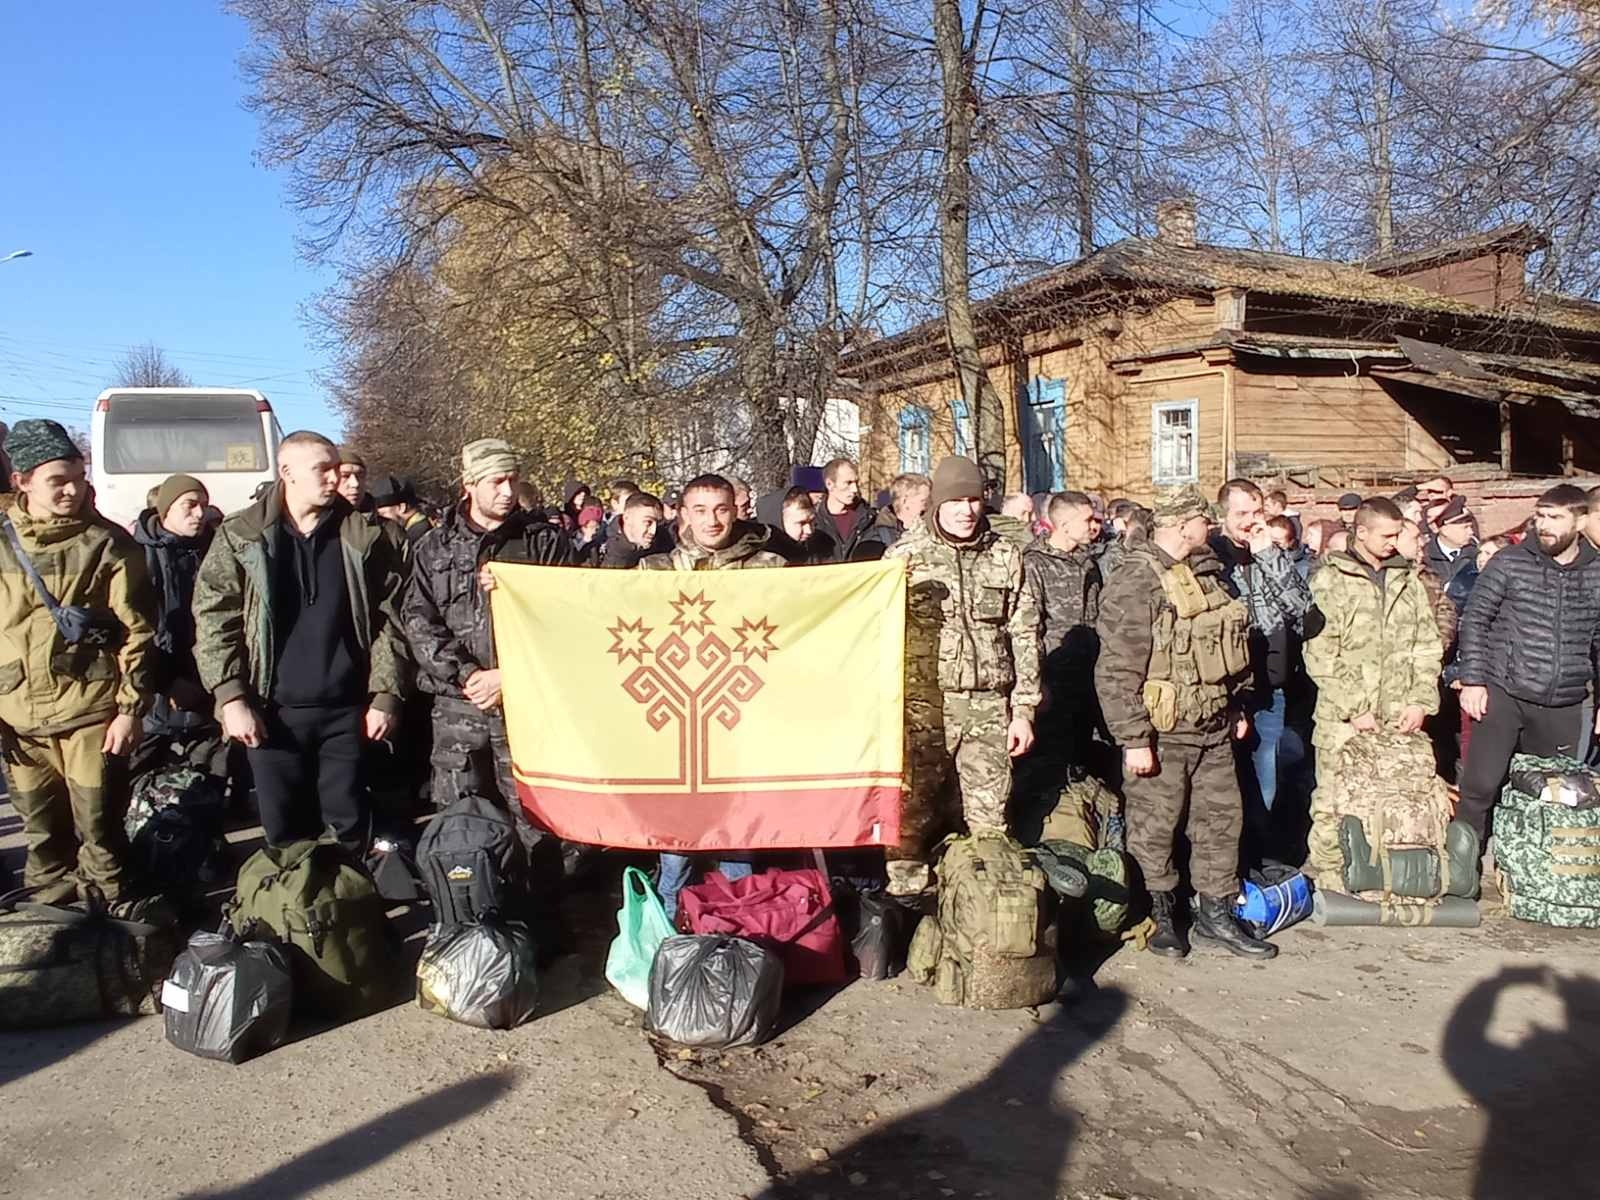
x=690, y=676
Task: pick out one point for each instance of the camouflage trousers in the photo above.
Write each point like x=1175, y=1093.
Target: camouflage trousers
x=959, y=737
x=472, y=756
x=71, y=817
x=1196, y=790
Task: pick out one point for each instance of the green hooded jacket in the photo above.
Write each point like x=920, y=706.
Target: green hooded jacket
x=235, y=628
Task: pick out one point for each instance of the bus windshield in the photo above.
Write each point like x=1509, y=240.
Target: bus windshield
x=160, y=435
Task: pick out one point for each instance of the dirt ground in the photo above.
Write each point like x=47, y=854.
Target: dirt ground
x=1360, y=1064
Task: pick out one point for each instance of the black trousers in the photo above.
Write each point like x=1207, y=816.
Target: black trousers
x=1510, y=725
x=308, y=775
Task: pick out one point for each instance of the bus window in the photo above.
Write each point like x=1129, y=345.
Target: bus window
x=162, y=435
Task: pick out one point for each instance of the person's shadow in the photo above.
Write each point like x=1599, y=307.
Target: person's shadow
x=1538, y=1095
x=1008, y=1135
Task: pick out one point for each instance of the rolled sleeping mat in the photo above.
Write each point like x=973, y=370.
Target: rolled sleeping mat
x=1335, y=908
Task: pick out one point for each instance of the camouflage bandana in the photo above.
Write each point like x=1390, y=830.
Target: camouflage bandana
x=36, y=441
x=1180, y=505
x=485, y=457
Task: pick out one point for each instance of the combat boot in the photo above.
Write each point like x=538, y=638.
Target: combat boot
x=1168, y=940
x=1214, y=922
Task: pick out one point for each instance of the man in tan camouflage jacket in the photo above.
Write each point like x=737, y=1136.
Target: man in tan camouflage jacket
x=972, y=669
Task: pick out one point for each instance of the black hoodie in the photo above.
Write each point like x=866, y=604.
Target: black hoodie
x=173, y=563
x=319, y=664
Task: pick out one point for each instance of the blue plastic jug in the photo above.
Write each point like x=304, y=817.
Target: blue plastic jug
x=1275, y=906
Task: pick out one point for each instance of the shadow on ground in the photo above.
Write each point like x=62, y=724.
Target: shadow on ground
x=1007, y=1135
x=351, y=1153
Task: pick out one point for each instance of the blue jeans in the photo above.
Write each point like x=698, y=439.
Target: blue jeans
x=1277, y=757
x=675, y=872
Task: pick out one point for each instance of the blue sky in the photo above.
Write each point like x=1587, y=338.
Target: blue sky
x=127, y=167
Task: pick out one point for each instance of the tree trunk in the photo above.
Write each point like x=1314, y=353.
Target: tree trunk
x=1382, y=156
x=977, y=391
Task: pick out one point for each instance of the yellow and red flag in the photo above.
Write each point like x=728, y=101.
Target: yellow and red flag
x=706, y=710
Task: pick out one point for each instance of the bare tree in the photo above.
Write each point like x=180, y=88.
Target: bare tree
x=148, y=366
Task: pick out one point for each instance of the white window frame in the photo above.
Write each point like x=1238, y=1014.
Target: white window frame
x=1157, y=411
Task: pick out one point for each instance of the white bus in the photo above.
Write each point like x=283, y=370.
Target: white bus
x=225, y=437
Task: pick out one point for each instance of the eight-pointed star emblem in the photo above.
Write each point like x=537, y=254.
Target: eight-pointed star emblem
x=627, y=639
x=694, y=612
x=755, y=638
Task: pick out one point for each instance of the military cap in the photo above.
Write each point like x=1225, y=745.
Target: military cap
x=1454, y=510
x=1349, y=502
x=1182, y=504
x=37, y=440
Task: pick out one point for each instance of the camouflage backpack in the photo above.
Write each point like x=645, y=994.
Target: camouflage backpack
x=1388, y=783
x=992, y=942
x=174, y=825
x=1547, y=853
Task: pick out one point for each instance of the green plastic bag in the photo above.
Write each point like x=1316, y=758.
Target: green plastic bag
x=642, y=926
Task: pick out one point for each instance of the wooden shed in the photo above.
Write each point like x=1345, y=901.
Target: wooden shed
x=1157, y=361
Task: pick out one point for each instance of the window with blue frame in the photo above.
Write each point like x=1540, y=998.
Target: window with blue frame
x=916, y=440
x=1044, y=436
x=962, y=419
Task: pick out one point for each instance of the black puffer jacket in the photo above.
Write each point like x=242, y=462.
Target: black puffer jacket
x=1531, y=625
x=446, y=614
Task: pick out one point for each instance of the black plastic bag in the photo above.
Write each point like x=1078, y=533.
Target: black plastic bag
x=228, y=999
x=883, y=935
x=483, y=974
x=714, y=991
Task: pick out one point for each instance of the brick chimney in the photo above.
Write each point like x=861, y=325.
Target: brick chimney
x=1175, y=222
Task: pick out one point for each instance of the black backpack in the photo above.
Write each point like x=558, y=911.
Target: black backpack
x=174, y=825
x=471, y=861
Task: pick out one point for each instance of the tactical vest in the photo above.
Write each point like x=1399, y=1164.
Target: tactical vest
x=1200, y=645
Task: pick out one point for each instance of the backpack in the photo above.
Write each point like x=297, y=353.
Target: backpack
x=227, y=999
x=59, y=965
x=174, y=826
x=318, y=899
x=1547, y=853
x=471, y=861
x=992, y=942
x=1404, y=849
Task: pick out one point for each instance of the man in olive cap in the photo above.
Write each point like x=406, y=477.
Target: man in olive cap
x=972, y=669
x=66, y=705
x=1173, y=662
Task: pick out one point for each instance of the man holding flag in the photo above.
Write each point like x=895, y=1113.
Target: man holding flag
x=972, y=669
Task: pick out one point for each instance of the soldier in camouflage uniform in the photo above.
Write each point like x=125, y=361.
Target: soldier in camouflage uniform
x=446, y=619
x=1173, y=662
x=65, y=707
x=972, y=669
x=1372, y=648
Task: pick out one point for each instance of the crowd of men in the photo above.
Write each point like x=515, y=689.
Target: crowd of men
x=1200, y=659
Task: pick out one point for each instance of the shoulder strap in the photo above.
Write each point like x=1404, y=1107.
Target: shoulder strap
x=28, y=568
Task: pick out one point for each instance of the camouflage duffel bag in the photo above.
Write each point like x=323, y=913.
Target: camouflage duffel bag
x=1548, y=854
x=1103, y=905
x=59, y=965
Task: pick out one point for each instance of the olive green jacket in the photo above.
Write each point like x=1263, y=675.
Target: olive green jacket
x=236, y=629
x=47, y=686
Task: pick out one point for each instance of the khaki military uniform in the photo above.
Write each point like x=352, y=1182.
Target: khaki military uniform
x=1172, y=657
x=1374, y=646
x=972, y=665
x=56, y=699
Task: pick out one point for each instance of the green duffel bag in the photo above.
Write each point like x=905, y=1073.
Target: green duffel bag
x=1413, y=872
x=59, y=965
x=319, y=901
x=1106, y=900
x=1548, y=855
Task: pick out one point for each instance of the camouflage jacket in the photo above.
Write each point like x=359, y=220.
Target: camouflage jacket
x=236, y=630
x=47, y=686
x=1131, y=607
x=445, y=614
x=748, y=549
x=1066, y=591
x=1372, y=643
x=972, y=623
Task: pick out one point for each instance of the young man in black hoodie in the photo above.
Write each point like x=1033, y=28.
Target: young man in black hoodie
x=175, y=536
x=296, y=614
x=636, y=533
